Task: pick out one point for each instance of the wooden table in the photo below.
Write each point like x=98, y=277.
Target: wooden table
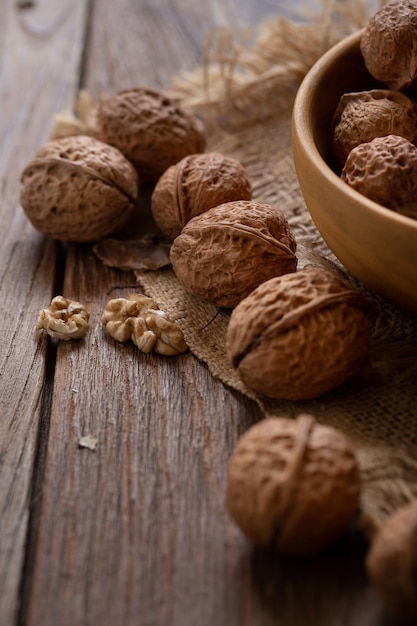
x=135, y=533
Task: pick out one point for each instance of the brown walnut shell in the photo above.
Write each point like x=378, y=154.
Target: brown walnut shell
x=149, y=129
x=223, y=254
x=299, y=335
x=293, y=483
x=391, y=562
x=388, y=44
x=78, y=189
x=385, y=171
x=197, y=183
x=362, y=116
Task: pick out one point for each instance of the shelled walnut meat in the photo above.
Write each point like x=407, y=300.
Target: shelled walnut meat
x=195, y=184
x=388, y=44
x=293, y=483
x=362, y=116
x=385, y=171
x=299, y=335
x=64, y=319
x=149, y=129
x=78, y=189
x=224, y=253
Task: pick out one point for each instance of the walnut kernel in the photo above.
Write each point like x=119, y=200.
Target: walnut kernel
x=197, y=183
x=149, y=129
x=293, y=483
x=299, y=335
x=78, y=189
x=385, y=171
x=224, y=253
x=138, y=318
x=64, y=319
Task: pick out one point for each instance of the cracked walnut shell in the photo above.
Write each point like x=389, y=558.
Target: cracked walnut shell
x=385, y=171
x=197, y=183
x=299, y=335
x=149, y=129
x=78, y=189
x=224, y=253
x=293, y=483
x=388, y=44
x=362, y=116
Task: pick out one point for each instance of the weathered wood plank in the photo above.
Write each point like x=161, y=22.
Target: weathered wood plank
x=137, y=532
x=40, y=52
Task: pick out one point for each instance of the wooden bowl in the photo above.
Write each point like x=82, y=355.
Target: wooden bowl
x=376, y=244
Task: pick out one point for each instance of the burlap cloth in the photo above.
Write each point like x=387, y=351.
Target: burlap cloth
x=245, y=92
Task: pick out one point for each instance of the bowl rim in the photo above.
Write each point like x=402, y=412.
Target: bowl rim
x=304, y=132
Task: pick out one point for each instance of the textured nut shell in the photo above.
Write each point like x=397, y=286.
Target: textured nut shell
x=149, y=129
x=197, y=183
x=389, y=44
x=223, y=254
x=299, y=335
x=362, y=116
x=392, y=562
x=293, y=482
x=78, y=189
x=385, y=170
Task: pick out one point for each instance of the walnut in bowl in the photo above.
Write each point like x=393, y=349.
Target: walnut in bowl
x=378, y=245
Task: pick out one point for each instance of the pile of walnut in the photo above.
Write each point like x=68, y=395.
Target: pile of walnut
x=375, y=131
x=295, y=485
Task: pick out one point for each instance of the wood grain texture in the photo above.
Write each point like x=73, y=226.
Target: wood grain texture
x=136, y=532
x=33, y=47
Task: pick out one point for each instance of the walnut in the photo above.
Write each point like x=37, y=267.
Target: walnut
x=388, y=44
x=78, y=189
x=391, y=562
x=362, y=116
x=293, y=483
x=64, y=319
x=138, y=318
x=385, y=170
x=224, y=253
x=150, y=130
x=197, y=183
x=299, y=335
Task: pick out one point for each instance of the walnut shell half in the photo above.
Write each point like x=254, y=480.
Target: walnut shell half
x=197, y=183
x=293, y=483
x=78, y=189
x=149, y=129
x=299, y=335
x=223, y=254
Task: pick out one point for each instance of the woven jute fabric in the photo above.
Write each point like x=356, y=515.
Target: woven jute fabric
x=245, y=93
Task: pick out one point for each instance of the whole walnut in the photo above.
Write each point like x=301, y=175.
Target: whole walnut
x=197, y=183
x=391, y=562
x=385, y=171
x=293, y=483
x=224, y=253
x=299, y=335
x=149, y=129
x=388, y=44
x=362, y=116
x=78, y=189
